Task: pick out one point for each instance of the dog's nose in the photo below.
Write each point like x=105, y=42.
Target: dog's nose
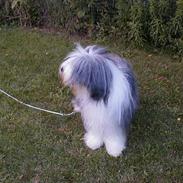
x=62, y=69
x=60, y=74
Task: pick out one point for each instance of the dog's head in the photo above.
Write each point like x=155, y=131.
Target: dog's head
x=87, y=68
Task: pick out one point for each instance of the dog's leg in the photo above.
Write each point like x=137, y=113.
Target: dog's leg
x=115, y=140
x=93, y=140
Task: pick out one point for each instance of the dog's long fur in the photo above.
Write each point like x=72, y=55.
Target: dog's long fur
x=105, y=93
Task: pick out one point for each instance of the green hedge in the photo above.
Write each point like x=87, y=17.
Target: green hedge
x=155, y=22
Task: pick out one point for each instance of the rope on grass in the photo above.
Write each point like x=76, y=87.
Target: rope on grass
x=34, y=107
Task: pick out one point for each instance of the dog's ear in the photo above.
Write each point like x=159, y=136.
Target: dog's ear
x=93, y=73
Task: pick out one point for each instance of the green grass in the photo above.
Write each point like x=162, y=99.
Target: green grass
x=39, y=147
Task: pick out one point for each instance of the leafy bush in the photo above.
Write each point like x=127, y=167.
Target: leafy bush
x=157, y=22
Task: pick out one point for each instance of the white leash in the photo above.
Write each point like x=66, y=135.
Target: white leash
x=33, y=107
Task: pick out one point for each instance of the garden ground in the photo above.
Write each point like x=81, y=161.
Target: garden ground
x=40, y=147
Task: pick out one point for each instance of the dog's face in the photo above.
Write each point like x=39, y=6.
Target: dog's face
x=65, y=71
x=66, y=74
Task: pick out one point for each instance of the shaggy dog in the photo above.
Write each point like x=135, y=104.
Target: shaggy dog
x=105, y=93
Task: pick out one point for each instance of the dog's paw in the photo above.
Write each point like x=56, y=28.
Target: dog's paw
x=76, y=105
x=92, y=141
x=77, y=108
x=114, y=149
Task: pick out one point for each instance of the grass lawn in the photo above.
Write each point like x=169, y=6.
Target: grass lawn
x=40, y=147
